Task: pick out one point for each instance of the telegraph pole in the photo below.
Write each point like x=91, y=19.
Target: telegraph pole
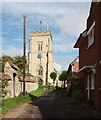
x=47, y=69
x=47, y=56
x=24, y=54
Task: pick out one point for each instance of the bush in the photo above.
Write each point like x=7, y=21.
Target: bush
x=91, y=102
x=78, y=96
x=4, y=85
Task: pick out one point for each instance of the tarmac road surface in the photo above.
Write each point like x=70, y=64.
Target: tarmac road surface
x=53, y=105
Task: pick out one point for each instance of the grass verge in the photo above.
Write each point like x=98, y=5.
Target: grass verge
x=11, y=103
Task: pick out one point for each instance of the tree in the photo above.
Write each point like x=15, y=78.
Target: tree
x=3, y=60
x=75, y=80
x=63, y=76
x=53, y=76
x=18, y=60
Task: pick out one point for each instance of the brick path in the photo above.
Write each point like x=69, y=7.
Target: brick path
x=54, y=105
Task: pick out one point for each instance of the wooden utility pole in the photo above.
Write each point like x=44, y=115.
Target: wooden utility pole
x=47, y=55
x=24, y=54
x=47, y=69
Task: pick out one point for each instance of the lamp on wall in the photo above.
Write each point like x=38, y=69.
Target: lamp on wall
x=93, y=69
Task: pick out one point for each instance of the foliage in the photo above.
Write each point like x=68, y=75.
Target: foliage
x=1, y=65
x=75, y=90
x=4, y=85
x=52, y=88
x=10, y=103
x=18, y=60
x=40, y=82
x=78, y=96
x=53, y=76
x=63, y=76
x=3, y=60
x=74, y=80
x=75, y=85
x=91, y=102
x=28, y=74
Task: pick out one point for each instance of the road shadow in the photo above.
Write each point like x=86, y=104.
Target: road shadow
x=32, y=97
x=56, y=105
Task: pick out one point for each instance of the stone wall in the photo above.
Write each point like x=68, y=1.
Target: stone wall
x=18, y=88
x=15, y=87
x=31, y=86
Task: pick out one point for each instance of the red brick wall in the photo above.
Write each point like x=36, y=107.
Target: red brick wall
x=76, y=67
x=92, y=55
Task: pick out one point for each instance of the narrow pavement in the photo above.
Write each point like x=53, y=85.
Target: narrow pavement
x=54, y=105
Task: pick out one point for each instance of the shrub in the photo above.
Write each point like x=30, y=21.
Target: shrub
x=91, y=102
x=78, y=96
x=4, y=85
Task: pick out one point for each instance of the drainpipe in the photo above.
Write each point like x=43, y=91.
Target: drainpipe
x=14, y=86
x=14, y=75
x=90, y=87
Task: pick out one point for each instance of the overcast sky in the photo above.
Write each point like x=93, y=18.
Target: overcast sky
x=66, y=20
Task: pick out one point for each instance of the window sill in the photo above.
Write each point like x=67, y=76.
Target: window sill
x=90, y=46
x=90, y=89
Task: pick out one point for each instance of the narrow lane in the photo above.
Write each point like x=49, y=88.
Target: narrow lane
x=55, y=105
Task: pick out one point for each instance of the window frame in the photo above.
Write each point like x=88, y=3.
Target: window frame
x=90, y=80
x=40, y=46
x=100, y=80
x=40, y=71
x=90, y=34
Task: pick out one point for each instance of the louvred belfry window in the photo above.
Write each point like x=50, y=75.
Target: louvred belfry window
x=40, y=46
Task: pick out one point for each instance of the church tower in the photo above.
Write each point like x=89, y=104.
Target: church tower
x=40, y=56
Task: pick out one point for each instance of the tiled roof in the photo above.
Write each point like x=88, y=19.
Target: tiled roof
x=28, y=79
x=5, y=76
x=13, y=65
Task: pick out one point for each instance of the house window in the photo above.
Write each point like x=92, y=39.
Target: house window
x=91, y=38
x=40, y=46
x=88, y=86
x=90, y=80
x=40, y=71
x=90, y=34
x=100, y=78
